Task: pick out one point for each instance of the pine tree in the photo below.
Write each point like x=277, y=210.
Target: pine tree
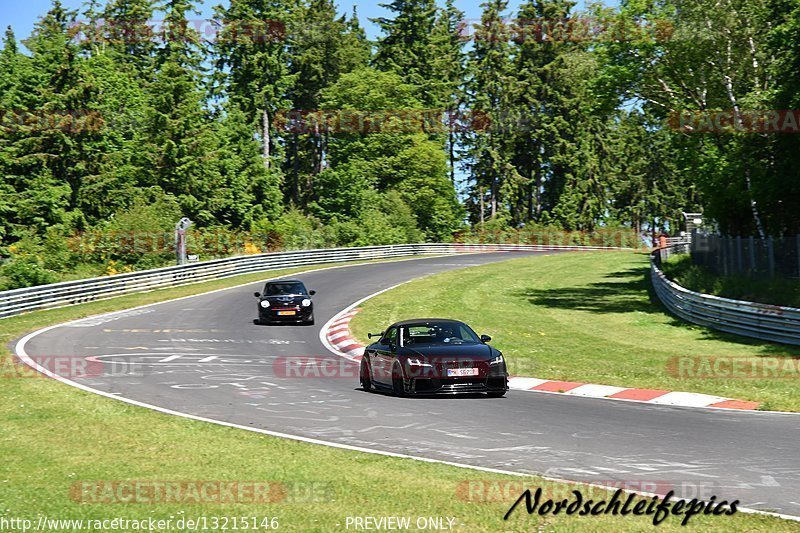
x=406, y=48
x=449, y=67
x=180, y=151
x=490, y=79
x=127, y=28
x=322, y=46
x=536, y=48
x=252, y=64
x=53, y=141
x=248, y=191
x=10, y=71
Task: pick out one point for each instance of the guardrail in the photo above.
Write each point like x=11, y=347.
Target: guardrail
x=18, y=301
x=750, y=319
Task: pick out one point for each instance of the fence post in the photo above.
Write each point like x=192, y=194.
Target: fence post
x=724, y=254
x=739, y=255
x=798, y=256
x=771, y=256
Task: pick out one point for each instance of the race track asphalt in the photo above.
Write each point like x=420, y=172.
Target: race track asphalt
x=204, y=356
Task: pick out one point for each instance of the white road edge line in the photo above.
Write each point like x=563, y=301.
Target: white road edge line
x=19, y=349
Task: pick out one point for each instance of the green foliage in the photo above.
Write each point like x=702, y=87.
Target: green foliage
x=496, y=230
x=25, y=272
x=105, y=116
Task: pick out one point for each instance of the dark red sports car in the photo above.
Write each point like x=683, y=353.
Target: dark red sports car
x=433, y=356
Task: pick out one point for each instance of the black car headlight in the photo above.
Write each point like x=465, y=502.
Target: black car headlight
x=264, y=304
x=306, y=302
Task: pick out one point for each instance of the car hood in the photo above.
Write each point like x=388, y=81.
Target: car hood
x=455, y=351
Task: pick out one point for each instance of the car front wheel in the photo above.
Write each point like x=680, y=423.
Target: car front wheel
x=398, y=386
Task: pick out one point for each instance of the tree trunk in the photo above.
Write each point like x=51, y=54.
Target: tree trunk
x=538, y=191
x=296, y=168
x=480, y=201
x=265, y=127
x=452, y=150
x=493, y=199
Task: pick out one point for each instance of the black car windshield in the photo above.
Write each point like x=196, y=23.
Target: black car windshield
x=444, y=333
x=278, y=289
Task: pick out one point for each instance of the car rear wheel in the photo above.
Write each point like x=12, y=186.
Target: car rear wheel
x=397, y=381
x=366, y=381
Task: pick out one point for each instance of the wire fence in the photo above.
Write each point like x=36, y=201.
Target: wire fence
x=750, y=256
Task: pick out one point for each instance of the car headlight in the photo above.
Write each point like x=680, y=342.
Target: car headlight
x=497, y=360
x=418, y=362
x=306, y=302
x=264, y=303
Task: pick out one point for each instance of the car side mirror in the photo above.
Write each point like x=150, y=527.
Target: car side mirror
x=312, y=293
x=370, y=335
x=257, y=294
x=485, y=338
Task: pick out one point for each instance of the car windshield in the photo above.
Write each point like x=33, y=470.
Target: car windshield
x=444, y=333
x=278, y=289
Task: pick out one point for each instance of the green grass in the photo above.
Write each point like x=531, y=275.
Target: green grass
x=54, y=436
x=775, y=291
x=585, y=317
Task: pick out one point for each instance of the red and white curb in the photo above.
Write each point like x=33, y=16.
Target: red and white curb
x=655, y=396
x=338, y=338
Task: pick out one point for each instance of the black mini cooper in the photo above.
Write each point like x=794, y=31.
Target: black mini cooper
x=285, y=301
x=433, y=356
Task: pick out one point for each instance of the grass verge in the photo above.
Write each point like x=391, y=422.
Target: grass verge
x=584, y=317
x=55, y=436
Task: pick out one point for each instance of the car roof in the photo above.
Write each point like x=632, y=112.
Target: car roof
x=425, y=321
x=284, y=281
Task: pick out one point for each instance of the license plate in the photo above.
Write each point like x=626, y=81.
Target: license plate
x=286, y=313
x=459, y=372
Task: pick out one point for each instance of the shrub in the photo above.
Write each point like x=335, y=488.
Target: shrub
x=26, y=272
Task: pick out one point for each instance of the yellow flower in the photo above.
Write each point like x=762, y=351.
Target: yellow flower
x=250, y=248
